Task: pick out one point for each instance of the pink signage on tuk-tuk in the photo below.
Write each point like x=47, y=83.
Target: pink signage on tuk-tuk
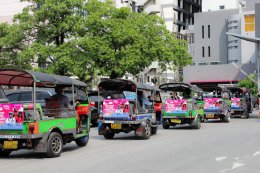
x=11, y=116
x=235, y=102
x=176, y=106
x=115, y=107
x=211, y=103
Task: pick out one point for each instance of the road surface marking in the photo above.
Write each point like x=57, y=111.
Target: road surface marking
x=237, y=165
x=220, y=158
x=256, y=153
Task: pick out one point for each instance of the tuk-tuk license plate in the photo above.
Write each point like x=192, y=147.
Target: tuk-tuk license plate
x=178, y=121
x=10, y=144
x=116, y=126
x=210, y=116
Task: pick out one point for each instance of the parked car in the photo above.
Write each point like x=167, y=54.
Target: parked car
x=94, y=99
x=25, y=96
x=3, y=99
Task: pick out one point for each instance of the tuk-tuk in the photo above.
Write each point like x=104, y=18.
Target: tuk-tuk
x=240, y=101
x=128, y=106
x=217, y=103
x=27, y=126
x=184, y=107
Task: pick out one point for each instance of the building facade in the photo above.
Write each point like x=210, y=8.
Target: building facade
x=212, y=45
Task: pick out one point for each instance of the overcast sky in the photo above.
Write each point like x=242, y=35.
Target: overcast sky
x=213, y=5
x=11, y=7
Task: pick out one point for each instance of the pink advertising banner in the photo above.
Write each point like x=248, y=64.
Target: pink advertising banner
x=176, y=106
x=235, y=102
x=11, y=116
x=211, y=103
x=115, y=107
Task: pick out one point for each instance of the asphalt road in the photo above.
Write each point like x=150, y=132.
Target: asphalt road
x=215, y=148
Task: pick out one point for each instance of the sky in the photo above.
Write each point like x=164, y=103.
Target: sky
x=213, y=5
x=11, y=7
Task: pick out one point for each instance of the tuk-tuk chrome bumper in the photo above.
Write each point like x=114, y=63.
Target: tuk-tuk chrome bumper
x=23, y=136
x=123, y=122
x=179, y=117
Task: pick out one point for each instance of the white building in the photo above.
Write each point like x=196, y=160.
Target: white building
x=213, y=5
x=8, y=8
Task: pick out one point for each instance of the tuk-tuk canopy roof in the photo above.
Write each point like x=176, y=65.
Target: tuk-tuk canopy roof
x=124, y=85
x=237, y=89
x=214, y=88
x=178, y=87
x=18, y=77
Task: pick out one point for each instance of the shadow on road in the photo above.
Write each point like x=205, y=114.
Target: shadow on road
x=29, y=154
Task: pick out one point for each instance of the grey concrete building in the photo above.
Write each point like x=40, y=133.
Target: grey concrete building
x=210, y=39
x=216, y=52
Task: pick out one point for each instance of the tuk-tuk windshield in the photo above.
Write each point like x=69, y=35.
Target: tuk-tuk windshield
x=212, y=95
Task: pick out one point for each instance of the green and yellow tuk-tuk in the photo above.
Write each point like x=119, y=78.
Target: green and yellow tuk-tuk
x=26, y=126
x=185, y=106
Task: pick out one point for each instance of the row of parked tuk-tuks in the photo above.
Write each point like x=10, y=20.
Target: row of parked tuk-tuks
x=126, y=106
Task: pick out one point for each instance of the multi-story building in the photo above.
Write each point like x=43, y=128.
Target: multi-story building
x=178, y=14
x=9, y=8
x=214, y=51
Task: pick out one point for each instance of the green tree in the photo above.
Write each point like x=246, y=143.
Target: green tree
x=11, y=44
x=122, y=41
x=249, y=82
x=52, y=27
x=84, y=38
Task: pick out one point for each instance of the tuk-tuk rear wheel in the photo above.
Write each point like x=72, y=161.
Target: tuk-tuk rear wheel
x=109, y=135
x=54, y=145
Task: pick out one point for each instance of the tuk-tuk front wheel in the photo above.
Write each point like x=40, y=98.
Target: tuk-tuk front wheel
x=245, y=114
x=154, y=130
x=226, y=118
x=54, y=145
x=83, y=141
x=196, y=123
x=147, y=130
x=165, y=124
x=4, y=153
x=109, y=135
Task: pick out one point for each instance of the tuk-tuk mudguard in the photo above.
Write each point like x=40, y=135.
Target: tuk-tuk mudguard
x=41, y=147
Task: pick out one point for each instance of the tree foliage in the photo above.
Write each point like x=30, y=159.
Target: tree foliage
x=249, y=82
x=75, y=37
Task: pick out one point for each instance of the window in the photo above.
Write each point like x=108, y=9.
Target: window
x=250, y=23
x=208, y=31
x=203, y=52
x=221, y=7
x=45, y=95
x=209, y=51
x=202, y=31
x=26, y=96
x=13, y=97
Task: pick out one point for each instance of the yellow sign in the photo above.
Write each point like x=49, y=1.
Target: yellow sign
x=178, y=121
x=116, y=126
x=10, y=144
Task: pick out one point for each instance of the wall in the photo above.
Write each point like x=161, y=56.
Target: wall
x=218, y=38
